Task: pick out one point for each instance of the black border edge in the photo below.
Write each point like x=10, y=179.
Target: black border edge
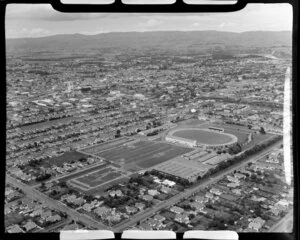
x=179, y=6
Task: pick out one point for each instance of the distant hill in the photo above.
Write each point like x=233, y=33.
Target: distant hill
x=199, y=41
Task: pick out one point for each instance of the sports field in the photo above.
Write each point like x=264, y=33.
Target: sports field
x=98, y=177
x=203, y=136
x=143, y=154
x=107, y=145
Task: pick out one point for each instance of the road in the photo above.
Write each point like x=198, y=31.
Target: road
x=72, y=173
x=55, y=226
x=188, y=192
x=284, y=225
x=35, y=194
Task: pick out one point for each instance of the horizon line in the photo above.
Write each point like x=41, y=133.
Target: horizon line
x=96, y=34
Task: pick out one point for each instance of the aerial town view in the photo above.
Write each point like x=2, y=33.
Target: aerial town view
x=161, y=129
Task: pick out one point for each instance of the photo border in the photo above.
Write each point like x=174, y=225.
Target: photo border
x=178, y=7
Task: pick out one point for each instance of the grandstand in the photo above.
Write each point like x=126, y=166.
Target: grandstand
x=184, y=141
x=200, y=156
x=191, y=168
x=216, y=129
x=217, y=159
x=183, y=168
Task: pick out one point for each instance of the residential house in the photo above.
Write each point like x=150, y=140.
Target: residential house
x=145, y=226
x=101, y=211
x=209, y=195
x=256, y=223
x=155, y=224
x=78, y=201
x=215, y=191
x=147, y=198
x=166, y=190
x=177, y=210
x=197, y=206
x=254, y=226
x=239, y=176
x=153, y=192
x=159, y=218
x=14, y=229
x=233, y=185
x=112, y=217
x=30, y=226
x=131, y=210
x=140, y=206
x=36, y=212
x=245, y=172
x=46, y=215
x=54, y=218
x=88, y=207
x=7, y=210
x=237, y=191
x=233, y=179
x=182, y=218
x=200, y=199
x=13, y=196
x=258, y=199
x=169, y=183
x=228, y=197
x=157, y=180
x=282, y=204
x=117, y=193
x=275, y=211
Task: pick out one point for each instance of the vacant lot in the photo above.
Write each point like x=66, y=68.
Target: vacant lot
x=144, y=154
x=86, y=171
x=101, y=189
x=101, y=176
x=67, y=157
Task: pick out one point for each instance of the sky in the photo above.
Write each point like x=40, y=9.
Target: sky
x=39, y=20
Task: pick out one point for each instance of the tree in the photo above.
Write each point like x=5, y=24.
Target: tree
x=43, y=185
x=262, y=130
x=118, y=133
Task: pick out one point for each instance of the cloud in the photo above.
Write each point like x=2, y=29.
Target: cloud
x=196, y=24
x=153, y=23
x=46, y=13
x=227, y=24
x=35, y=32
